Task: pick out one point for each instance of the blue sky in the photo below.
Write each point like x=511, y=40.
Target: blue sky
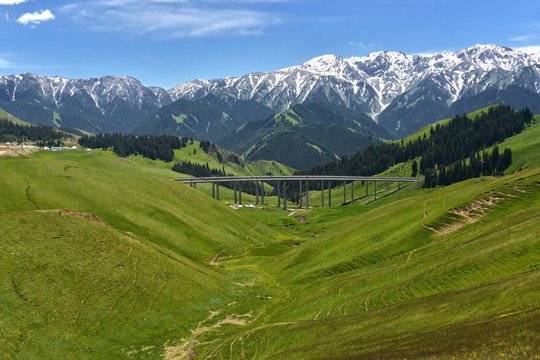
x=167, y=42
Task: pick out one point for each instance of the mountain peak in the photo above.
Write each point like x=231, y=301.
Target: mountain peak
x=488, y=47
x=322, y=63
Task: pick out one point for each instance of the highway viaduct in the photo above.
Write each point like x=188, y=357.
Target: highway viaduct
x=282, y=185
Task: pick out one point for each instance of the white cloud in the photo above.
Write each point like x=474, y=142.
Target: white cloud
x=522, y=38
x=360, y=44
x=4, y=64
x=532, y=49
x=165, y=19
x=35, y=17
x=357, y=43
x=11, y=2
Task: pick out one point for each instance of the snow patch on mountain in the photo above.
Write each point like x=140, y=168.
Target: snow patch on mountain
x=368, y=83
x=56, y=90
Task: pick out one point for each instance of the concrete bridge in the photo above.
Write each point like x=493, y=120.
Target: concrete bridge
x=302, y=179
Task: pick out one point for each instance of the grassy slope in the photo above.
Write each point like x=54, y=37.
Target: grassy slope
x=71, y=288
x=260, y=167
x=396, y=289
x=364, y=281
x=79, y=282
x=426, y=130
x=525, y=149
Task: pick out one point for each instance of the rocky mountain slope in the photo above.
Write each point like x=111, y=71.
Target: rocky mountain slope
x=109, y=103
x=402, y=92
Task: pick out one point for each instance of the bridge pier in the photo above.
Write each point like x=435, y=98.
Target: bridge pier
x=284, y=195
x=307, y=195
x=352, y=192
x=387, y=186
x=213, y=191
x=300, y=194
x=367, y=188
x=278, y=194
x=344, y=192
x=322, y=193
x=240, y=193
x=329, y=194
x=235, y=198
x=256, y=194
x=262, y=193
x=217, y=192
x=375, y=183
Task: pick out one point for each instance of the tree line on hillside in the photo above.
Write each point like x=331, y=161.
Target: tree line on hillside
x=151, y=146
x=40, y=134
x=198, y=170
x=446, y=144
x=478, y=165
x=221, y=155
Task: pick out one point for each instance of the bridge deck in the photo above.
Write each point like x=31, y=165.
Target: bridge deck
x=218, y=179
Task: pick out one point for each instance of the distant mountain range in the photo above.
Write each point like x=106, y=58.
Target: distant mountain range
x=401, y=93
x=107, y=104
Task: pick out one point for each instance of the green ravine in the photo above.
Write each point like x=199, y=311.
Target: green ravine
x=106, y=257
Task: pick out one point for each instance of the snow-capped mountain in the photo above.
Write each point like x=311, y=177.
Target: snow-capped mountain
x=401, y=92
x=381, y=83
x=109, y=103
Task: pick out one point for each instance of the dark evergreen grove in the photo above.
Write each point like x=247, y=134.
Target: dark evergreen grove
x=42, y=135
x=478, y=165
x=151, y=146
x=447, y=144
x=198, y=170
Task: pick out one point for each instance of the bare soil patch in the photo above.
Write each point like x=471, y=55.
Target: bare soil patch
x=66, y=212
x=15, y=150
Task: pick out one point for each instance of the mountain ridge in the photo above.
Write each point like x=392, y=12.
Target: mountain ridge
x=109, y=103
x=402, y=92
x=372, y=83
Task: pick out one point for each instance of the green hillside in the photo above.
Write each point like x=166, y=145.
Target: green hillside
x=525, y=147
x=106, y=257
x=305, y=135
x=5, y=115
x=421, y=281
x=231, y=163
x=84, y=287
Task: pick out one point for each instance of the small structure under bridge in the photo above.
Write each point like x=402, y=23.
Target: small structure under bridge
x=304, y=182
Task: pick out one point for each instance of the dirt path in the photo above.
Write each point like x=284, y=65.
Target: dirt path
x=186, y=348
x=424, y=219
x=216, y=257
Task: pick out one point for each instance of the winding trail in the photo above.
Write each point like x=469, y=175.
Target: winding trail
x=424, y=219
